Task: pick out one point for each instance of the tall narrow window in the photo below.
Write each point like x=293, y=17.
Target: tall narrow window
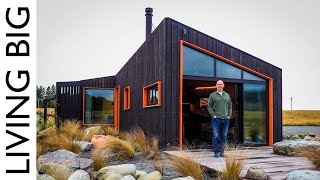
x=254, y=113
x=98, y=106
x=126, y=98
x=152, y=95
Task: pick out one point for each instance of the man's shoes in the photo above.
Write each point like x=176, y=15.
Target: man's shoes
x=216, y=155
x=221, y=154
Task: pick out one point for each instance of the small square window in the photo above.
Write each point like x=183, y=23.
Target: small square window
x=152, y=95
x=126, y=98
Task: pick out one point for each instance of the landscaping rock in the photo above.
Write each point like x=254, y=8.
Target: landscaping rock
x=307, y=138
x=85, y=146
x=66, y=158
x=255, y=172
x=44, y=177
x=138, y=173
x=184, y=178
x=312, y=135
x=301, y=135
x=114, y=177
x=294, y=137
x=123, y=169
x=128, y=177
x=46, y=131
x=290, y=148
x=95, y=130
x=155, y=175
x=56, y=170
x=79, y=175
x=85, y=163
x=100, y=139
x=304, y=175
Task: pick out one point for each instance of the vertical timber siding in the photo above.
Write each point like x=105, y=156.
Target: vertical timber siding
x=175, y=34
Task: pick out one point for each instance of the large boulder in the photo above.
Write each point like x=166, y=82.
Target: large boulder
x=114, y=177
x=290, y=147
x=95, y=130
x=255, y=172
x=84, y=145
x=66, y=158
x=304, y=175
x=123, y=170
x=79, y=175
x=128, y=177
x=57, y=171
x=184, y=178
x=155, y=175
x=138, y=173
x=44, y=177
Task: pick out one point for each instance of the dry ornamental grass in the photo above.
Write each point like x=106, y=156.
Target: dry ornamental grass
x=123, y=149
x=313, y=155
x=186, y=166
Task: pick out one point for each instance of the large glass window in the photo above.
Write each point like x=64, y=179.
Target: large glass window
x=249, y=76
x=196, y=63
x=225, y=70
x=99, y=106
x=255, y=113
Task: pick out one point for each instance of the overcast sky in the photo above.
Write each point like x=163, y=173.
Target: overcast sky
x=82, y=39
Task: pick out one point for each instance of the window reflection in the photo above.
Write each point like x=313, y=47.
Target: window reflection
x=249, y=76
x=99, y=106
x=196, y=63
x=225, y=70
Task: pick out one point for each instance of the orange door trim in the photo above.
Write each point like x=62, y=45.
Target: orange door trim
x=270, y=87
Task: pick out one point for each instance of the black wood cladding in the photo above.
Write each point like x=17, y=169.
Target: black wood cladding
x=157, y=59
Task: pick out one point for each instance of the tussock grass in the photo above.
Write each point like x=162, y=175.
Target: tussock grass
x=235, y=162
x=109, y=130
x=159, y=167
x=56, y=141
x=72, y=129
x=301, y=117
x=42, y=148
x=138, y=138
x=99, y=159
x=313, y=155
x=155, y=148
x=123, y=149
x=186, y=166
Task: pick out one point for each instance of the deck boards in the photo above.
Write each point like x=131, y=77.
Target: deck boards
x=276, y=166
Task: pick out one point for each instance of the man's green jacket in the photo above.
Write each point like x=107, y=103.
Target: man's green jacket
x=220, y=105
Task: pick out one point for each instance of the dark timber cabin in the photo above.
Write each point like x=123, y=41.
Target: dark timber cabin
x=164, y=86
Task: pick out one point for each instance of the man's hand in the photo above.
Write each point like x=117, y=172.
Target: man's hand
x=214, y=116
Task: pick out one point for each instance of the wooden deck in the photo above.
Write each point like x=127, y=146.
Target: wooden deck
x=276, y=166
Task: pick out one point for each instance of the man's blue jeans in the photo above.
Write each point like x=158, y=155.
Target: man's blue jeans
x=220, y=131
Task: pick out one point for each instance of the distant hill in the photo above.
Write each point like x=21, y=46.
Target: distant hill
x=301, y=117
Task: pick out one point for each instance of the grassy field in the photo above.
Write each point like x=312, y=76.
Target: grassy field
x=301, y=118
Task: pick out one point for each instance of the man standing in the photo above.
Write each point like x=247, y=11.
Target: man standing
x=220, y=109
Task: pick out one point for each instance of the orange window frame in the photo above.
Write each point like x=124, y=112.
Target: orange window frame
x=116, y=105
x=126, y=98
x=145, y=95
x=269, y=80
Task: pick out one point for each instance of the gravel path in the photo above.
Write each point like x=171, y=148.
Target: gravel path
x=287, y=130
